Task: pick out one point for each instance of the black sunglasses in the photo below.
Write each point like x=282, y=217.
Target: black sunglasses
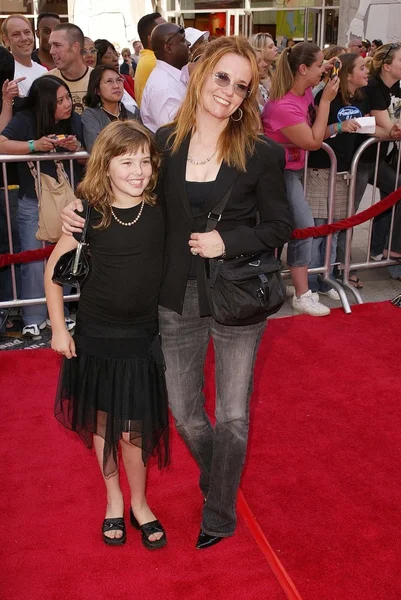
x=180, y=30
x=392, y=47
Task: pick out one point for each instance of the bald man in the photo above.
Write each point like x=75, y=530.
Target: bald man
x=167, y=84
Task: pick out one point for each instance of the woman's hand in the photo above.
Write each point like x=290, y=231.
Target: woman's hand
x=207, y=245
x=70, y=143
x=10, y=90
x=331, y=90
x=71, y=222
x=45, y=144
x=350, y=126
x=63, y=343
x=328, y=65
x=395, y=131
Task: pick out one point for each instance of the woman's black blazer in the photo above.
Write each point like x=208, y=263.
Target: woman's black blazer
x=256, y=217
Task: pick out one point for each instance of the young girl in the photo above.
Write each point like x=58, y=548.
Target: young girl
x=111, y=388
x=349, y=104
x=288, y=118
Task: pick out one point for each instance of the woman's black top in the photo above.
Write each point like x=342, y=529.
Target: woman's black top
x=22, y=128
x=256, y=218
x=198, y=192
x=123, y=287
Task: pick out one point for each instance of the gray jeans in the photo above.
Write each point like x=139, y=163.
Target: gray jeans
x=299, y=253
x=220, y=450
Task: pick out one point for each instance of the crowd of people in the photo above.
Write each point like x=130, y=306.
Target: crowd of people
x=184, y=121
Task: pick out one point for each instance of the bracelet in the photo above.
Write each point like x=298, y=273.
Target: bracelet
x=31, y=145
x=8, y=103
x=331, y=129
x=339, y=127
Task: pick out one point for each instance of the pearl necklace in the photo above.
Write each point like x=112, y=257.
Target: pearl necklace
x=131, y=222
x=200, y=162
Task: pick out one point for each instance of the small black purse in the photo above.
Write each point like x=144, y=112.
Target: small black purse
x=246, y=289
x=73, y=267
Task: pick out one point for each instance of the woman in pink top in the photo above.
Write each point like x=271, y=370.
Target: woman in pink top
x=290, y=118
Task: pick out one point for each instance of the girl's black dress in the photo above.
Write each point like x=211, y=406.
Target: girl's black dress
x=116, y=383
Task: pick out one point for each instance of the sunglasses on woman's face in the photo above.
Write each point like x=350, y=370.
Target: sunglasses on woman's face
x=223, y=80
x=90, y=51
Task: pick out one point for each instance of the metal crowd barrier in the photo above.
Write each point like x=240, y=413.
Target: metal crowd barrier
x=353, y=176
x=35, y=158
x=339, y=285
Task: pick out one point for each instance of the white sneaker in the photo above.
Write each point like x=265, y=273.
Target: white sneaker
x=309, y=304
x=332, y=294
x=69, y=323
x=33, y=330
x=377, y=257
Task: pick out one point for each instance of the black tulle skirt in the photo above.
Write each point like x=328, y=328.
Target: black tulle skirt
x=116, y=384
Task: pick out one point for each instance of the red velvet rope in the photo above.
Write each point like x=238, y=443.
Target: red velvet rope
x=365, y=215
x=298, y=234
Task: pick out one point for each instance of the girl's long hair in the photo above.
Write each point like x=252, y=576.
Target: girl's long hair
x=348, y=61
x=118, y=138
x=287, y=67
x=239, y=137
x=382, y=56
x=42, y=101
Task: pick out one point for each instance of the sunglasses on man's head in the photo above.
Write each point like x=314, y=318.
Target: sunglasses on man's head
x=180, y=30
x=223, y=80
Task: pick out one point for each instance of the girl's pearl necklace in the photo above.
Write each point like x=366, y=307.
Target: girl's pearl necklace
x=131, y=222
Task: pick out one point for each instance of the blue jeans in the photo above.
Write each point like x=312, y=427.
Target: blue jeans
x=220, y=450
x=32, y=282
x=32, y=274
x=299, y=252
x=5, y=273
x=318, y=258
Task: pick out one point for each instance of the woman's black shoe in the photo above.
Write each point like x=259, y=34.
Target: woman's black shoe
x=117, y=524
x=205, y=540
x=147, y=530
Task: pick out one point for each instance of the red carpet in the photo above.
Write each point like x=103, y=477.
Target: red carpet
x=323, y=475
x=53, y=506
x=322, y=480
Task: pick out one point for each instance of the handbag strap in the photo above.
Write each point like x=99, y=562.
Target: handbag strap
x=83, y=236
x=215, y=215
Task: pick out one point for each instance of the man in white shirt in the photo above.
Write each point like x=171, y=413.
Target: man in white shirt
x=66, y=47
x=167, y=84
x=18, y=35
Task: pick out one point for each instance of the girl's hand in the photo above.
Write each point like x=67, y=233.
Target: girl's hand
x=69, y=143
x=331, y=90
x=71, y=222
x=63, y=343
x=45, y=144
x=207, y=245
x=350, y=126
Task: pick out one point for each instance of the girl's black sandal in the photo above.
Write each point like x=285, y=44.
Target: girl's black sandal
x=117, y=524
x=147, y=530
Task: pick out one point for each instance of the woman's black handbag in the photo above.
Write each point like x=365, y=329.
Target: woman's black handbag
x=246, y=289
x=73, y=267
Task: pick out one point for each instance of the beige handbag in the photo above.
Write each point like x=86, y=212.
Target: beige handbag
x=54, y=195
